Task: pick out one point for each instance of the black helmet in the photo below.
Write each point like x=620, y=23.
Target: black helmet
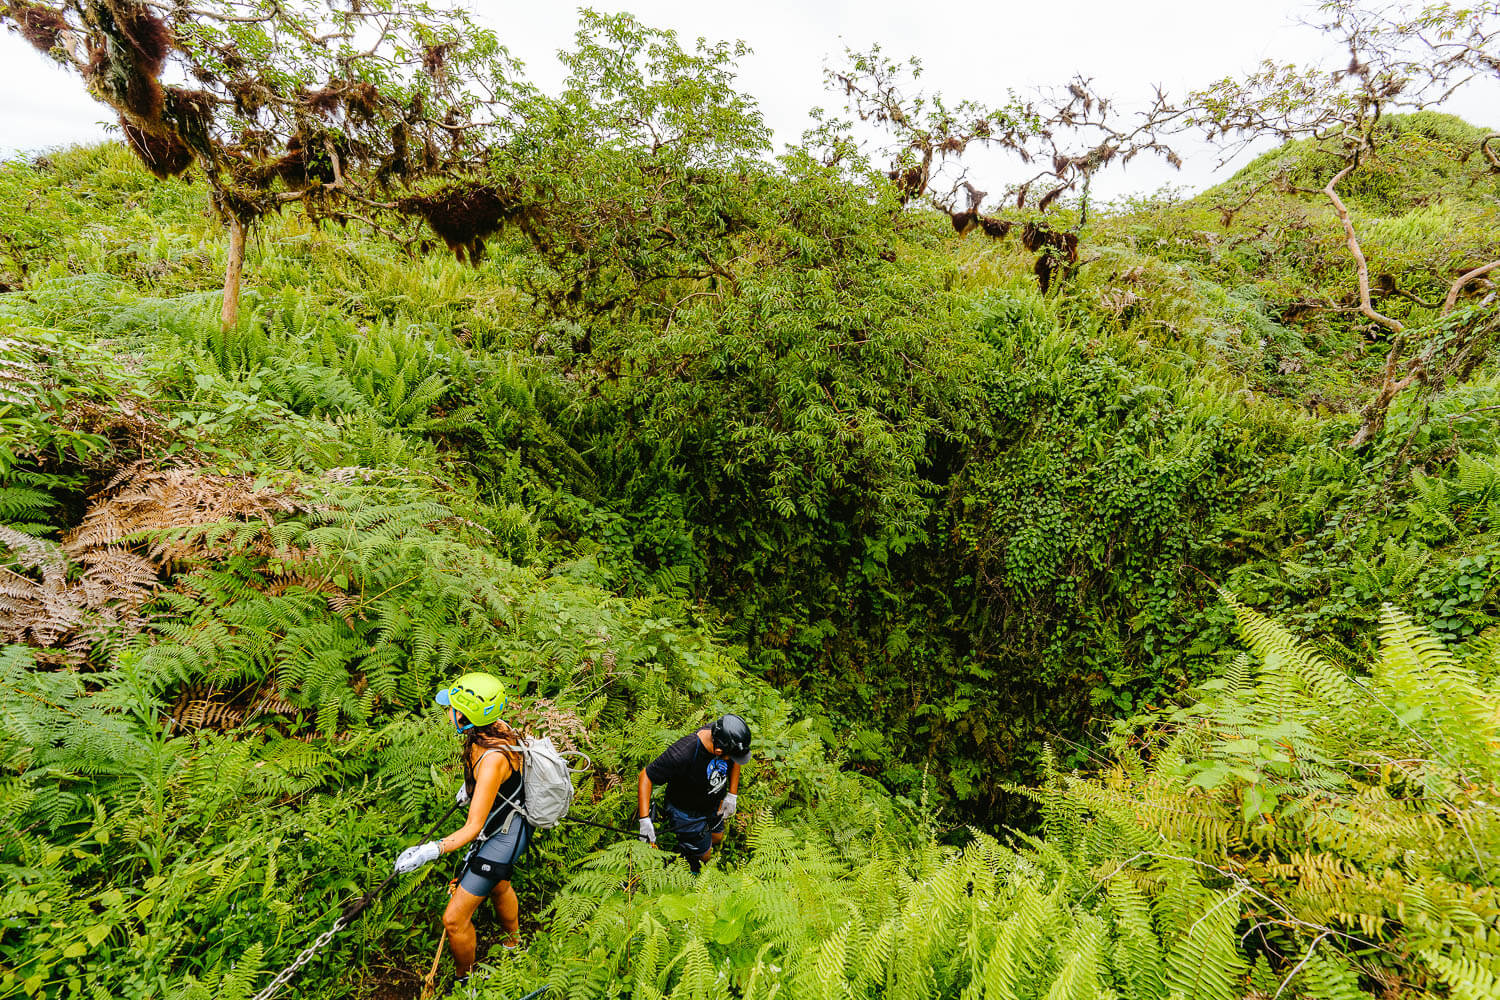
x=731, y=735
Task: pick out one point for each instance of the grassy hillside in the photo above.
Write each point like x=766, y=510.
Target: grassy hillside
x=929, y=529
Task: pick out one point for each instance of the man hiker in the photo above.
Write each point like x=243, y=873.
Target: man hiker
x=702, y=775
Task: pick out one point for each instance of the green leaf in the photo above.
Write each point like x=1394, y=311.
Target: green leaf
x=677, y=907
x=1211, y=776
x=1258, y=801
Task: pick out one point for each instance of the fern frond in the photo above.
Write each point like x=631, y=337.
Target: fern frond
x=1205, y=964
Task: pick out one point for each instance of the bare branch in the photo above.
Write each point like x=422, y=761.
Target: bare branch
x=1490, y=154
x=1361, y=266
x=1462, y=282
x=1298, y=967
x=221, y=17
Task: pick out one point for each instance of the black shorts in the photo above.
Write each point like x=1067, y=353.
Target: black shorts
x=695, y=834
x=490, y=863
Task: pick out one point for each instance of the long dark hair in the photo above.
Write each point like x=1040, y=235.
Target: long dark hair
x=496, y=735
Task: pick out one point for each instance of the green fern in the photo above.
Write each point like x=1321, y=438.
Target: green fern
x=1206, y=964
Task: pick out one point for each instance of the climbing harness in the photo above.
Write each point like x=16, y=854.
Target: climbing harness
x=347, y=916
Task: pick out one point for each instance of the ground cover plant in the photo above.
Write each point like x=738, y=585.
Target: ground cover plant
x=1086, y=655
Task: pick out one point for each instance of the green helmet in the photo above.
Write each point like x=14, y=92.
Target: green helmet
x=479, y=698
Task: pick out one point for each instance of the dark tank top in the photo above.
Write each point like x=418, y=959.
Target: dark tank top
x=507, y=798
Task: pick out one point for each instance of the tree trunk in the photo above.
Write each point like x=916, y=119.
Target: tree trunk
x=1372, y=417
x=233, y=268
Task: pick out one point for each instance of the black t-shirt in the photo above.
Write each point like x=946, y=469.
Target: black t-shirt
x=696, y=780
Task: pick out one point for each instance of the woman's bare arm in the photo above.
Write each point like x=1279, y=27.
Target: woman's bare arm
x=488, y=778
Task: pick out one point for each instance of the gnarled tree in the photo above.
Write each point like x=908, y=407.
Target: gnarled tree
x=1401, y=59
x=1063, y=136
x=926, y=130
x=630, y=186
x=311, y=103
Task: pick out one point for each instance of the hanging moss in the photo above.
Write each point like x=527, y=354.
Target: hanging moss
x=163, y=153
x=120, y=84
x=395, y=163
x=1058, y=251
x=190, y=113
x=146, y=35
x=39, y=25
x=994, y=227
x=361, y=100
x=463, y=217
x=124, y=65
x=435, y=59
x=306, y=162
x=325, y=101
x=244, y=204
x=249, y=94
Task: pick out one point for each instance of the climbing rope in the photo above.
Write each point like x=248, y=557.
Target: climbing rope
x=633, y=834
x=351, y=913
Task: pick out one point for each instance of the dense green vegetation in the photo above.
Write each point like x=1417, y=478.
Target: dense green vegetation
x=711, y=430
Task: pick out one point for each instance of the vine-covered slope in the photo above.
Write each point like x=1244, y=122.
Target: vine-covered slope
x=927, y=528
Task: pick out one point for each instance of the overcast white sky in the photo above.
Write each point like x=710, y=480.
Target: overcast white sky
x=977, y=50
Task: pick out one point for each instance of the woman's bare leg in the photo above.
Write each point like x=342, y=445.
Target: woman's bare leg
x=509, y=910
x=458, y=918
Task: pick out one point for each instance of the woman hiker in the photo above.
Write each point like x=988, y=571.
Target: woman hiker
x=492, y=789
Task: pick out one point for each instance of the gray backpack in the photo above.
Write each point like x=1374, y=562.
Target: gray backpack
x=546, y=782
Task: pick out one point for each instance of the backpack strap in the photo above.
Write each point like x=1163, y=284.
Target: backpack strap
x=515, y=810
x=482, y=757
x=508, y=748
x=514, y=806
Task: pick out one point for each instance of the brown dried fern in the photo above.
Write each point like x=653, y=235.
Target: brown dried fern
x=567, y=730
x=97, y=580
x=202, y=706
x=161, y=501
x=43, y=612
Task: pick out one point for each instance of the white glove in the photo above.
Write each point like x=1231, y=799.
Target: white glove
x=648, y=830
x=729, y=805
x=462, y=798
x=413, y=858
